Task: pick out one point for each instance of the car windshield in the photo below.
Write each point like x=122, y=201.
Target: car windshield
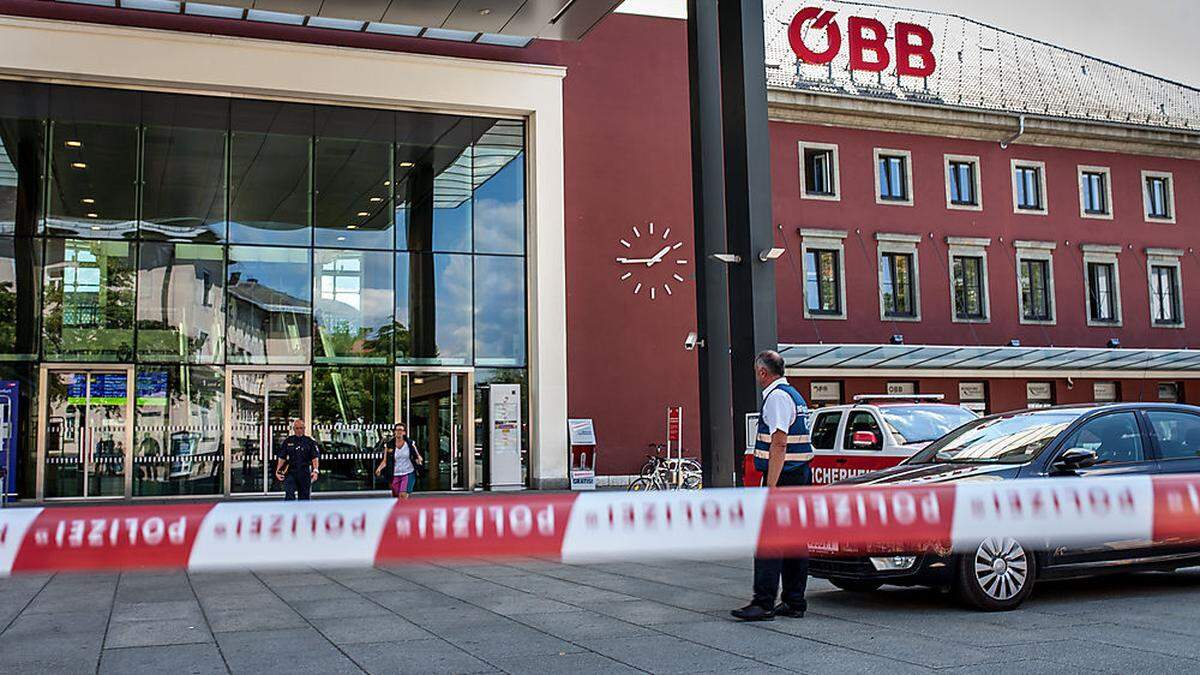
x=924, y=423
x=1014, y=438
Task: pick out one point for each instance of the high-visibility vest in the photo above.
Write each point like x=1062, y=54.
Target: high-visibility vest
x=799, y=446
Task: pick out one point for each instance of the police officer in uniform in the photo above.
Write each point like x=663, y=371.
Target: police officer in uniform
x=782, y=453
x=297, y=463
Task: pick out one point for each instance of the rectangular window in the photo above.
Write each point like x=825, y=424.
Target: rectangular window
x=896, y=282
x=1029, y=188
x=1035, y=290
x=1094, y=185
x=177, y=321
x=961, y=175
x=822, y=279
x=819, y=168
x=1102, y=292
x=1158, y=197
x=893, y=178
x=968, y=288
x=1164, y=294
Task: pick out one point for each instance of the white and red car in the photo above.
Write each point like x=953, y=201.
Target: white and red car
x=875, y=432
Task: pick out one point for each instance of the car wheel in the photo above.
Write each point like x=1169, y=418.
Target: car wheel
x=997, y=576
x=856, y=585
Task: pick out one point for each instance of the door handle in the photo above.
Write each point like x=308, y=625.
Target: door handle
x=841, y=460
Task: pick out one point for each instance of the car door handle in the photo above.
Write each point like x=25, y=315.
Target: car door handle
x=841, y=460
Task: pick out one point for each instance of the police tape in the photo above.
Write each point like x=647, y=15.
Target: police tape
x=603, y=526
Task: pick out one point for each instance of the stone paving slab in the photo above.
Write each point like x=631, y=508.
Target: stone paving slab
x=531, y=616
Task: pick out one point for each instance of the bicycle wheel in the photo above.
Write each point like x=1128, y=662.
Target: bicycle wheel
x=692, y=481
x=642, y=484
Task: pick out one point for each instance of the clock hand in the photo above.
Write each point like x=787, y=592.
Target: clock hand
x=658, y=256
x=628, y=261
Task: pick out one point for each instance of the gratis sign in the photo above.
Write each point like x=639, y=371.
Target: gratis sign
x=865, y=39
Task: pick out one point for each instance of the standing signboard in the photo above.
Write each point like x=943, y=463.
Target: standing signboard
x=583, y=454
x=10, y=402
x=504, y=436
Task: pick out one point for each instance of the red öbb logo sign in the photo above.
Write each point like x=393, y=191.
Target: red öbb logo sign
x=914, y=43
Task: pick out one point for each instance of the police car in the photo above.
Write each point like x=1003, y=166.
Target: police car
x=875, y=432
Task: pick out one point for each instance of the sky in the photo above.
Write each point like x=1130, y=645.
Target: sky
x=1154, y=36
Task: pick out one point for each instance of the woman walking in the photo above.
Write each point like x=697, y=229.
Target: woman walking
x=400, y=460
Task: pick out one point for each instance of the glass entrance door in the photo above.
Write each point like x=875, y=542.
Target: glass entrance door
x=262, y=405
x=87, y=437
x=436, y=406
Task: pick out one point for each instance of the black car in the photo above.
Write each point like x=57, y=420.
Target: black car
x=1118, y=439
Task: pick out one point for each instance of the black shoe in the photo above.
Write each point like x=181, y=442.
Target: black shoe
x=790, y=611
x=753, y=612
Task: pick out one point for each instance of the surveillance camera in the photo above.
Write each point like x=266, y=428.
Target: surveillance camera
x=692, y=341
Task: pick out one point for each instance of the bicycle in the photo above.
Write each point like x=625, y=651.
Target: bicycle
x=663, y=473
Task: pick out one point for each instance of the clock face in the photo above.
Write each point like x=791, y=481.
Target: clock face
x=650, y=262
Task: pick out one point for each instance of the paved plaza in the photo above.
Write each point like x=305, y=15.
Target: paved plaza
x=537, y=617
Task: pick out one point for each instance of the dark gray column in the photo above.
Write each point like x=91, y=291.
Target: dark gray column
x=747, y=150
x=717, y=449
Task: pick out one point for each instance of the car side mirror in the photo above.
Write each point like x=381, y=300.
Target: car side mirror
x=864, y=440
x=1074, y=459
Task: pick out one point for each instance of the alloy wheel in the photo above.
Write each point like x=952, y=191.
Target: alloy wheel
x=1001, y=567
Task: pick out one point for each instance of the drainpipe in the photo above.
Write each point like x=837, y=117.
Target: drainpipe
x=1020, y=132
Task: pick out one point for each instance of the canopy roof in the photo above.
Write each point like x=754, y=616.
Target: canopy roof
x=951, y=358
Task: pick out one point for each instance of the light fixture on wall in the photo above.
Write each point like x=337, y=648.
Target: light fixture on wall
x=1014, y=343
x=770, y=254
x=897, y=339
x=1114, y=343
x=728, y=258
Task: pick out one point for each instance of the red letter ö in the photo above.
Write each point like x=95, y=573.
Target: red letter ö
x=823, y=20
x=907, y=48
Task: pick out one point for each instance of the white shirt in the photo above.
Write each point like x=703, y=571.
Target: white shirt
x=402, y=461
x=779, y=410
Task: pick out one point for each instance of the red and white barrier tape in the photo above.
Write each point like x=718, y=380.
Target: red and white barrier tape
x=601, y=526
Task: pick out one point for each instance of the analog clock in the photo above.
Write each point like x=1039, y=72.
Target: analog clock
x=650, y=262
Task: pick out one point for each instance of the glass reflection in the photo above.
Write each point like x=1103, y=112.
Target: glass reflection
x=499, y=310
x=178, y=447
x=88, y=312
x=352, y=414
x=270, y=168
x=434, y=159
x=499, y=178
x=353, y=310
x=20, y=292
x=269, y=305
x=353, y=178
x=180, y=302
x=437, y=310
x=23, y=110
x=93, y=147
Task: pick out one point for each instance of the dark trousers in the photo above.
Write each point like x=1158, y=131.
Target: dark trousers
x=793, y=571
x=297, y=484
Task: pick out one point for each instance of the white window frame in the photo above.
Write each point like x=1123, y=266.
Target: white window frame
x=837, y=172
x=1165, y=257
x=975, y=178
x=823, y=240
x=1102, y=253
x=1108, y=196
x=1170, y=219
x=1037, y=250
x=905, y=244
x=974, y=247
x=1041, y=167
x=908, y=176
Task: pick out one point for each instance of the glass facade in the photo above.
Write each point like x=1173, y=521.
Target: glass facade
x=218, y=245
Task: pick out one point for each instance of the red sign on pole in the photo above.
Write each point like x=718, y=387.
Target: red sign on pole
x=674, y=422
